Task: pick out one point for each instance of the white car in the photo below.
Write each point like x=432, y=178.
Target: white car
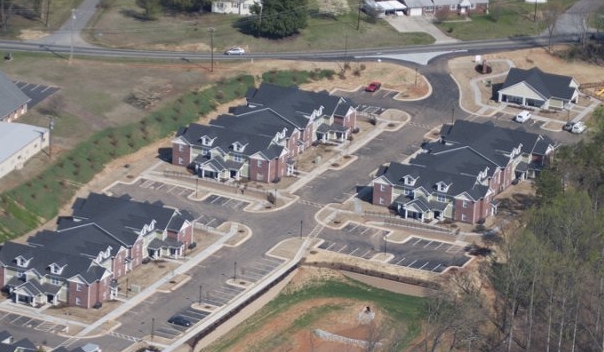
x=235, y=51
x=578, y=127
x=523, y=116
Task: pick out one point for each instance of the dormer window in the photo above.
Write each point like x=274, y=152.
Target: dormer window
x=238, y=147
x=207, y=141
x=55, y=269
x=409, y=181
x=442, y=187
x=22, y=262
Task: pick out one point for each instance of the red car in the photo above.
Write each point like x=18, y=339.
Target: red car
x=373, y=87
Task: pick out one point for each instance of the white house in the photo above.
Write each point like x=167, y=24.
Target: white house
x=18, y=143
x=236, y=7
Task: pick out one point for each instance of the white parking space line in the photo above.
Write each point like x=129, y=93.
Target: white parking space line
x=364, y=254
x=399, y=262
x=34, y=88
x=429, y=243
x=356, y=249
x=423, y=266
x=329, y=248
x=45, y=89
x=343, y=247
x=273, y=260
x=160, y=186
x=183, y=191
x=171, y=189
x=418, y=241
x=366, y=229
x=436, y=267
x=413, y=262
x=353, y=227
x=437, y=247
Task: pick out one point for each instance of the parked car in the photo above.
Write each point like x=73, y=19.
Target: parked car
x=575, y=127
x=523, y=116
x=235, y=51
x=179, y=320
x=373, y=87
x=578, y=127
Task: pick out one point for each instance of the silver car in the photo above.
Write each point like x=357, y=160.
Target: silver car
x=235, y=51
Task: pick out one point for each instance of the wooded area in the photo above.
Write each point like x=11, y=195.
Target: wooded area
x=542, y=288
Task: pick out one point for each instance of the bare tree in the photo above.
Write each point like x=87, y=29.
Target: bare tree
x=550, y=18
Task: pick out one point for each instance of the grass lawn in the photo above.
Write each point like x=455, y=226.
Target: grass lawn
x=320, y=304
x=505, y=19
x=116, y=27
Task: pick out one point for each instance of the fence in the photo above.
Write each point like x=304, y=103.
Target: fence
x=232, y=186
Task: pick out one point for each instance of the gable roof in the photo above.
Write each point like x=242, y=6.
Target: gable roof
x=225, y=138
x=11, y=97
x=492, y=142
x=294, y=104
x=548, y=85
x=428, y=178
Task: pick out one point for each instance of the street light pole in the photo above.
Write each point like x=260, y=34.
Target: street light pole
x=453, y=116
x=51, y=126
x=301, y=223
x=73, y=18
x=212, y=30
x=385, y=244
x=235, y=272
x=200, y=286
x=152, y=328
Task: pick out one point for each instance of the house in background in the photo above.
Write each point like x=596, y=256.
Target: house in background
x=538, y=89
x=236, y=7
x=260, y=140
x=79, y=263
x=460, y=7
x=18, y=143
x=13, y=102
x=8, y=344
x=458, y=177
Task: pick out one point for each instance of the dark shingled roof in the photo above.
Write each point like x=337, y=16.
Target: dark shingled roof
x=294, y=104
x=11, y=97
x=225, y=138
x=547, y=84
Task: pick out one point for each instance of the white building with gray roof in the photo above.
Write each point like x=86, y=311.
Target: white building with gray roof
x=18, y=143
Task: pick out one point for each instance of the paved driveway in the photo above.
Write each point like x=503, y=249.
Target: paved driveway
x=408, y=24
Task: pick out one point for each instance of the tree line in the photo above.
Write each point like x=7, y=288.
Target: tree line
x=542, y=288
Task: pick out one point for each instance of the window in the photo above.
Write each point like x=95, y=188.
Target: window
x=181, y=148
x=55, y=281
x=78, y=301
x=464, y=204
x=453, y=7
x=204, y=152
x=259, y=177
x=78, y=287
x=259, y=163
x=381, y=201
x=441, y=198
x=237, y=158
x=382, y=187
x=21, y=274
x=464, y=217
x=180, y=161
x=407, y=192
x=472, y=6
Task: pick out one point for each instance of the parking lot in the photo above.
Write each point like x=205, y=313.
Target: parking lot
x=165, y=187
x=36, y=92
x=226, y=202
x=418, y=253
x=21, y=321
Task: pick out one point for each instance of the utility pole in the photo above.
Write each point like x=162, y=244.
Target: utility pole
x=235, y=272
x=51, y=126
x=301, y=223
x=359, y=15
x=73, y=18
x=200, y=286
x=453, y=116
x=212, y=30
